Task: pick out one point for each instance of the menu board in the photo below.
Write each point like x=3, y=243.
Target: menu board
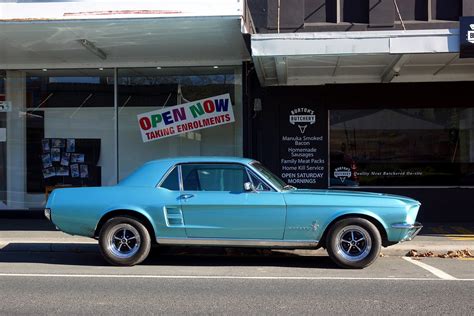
x=303, y=146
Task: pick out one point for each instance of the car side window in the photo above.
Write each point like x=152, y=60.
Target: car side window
x=258, y=183
x=172, y=181
x=214, y=177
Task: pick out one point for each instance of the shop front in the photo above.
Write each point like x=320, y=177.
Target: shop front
x=72, y=102
x=388, y=112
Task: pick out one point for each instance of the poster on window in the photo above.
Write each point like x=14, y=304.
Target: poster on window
x=303, y=145
x=187, y=117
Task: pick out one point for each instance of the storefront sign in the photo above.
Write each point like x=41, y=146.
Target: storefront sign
x=93, y=9
x=466, y=39
x=342, y=173
x=187, y=117
x=302, y=117
x=303, y=146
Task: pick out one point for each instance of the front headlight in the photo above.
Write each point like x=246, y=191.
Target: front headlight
x=47, y=213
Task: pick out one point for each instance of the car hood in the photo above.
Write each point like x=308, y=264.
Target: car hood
x=347, y=193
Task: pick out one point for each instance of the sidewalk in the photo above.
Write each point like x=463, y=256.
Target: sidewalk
x=39, y=235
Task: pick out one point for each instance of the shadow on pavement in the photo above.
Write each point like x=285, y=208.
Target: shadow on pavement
x=8, y=224
x=88, y=255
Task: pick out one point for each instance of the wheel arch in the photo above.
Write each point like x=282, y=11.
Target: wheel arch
x=141, y=217
x=377, y=222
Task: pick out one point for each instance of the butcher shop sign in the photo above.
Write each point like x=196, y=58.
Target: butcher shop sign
x=186, y=117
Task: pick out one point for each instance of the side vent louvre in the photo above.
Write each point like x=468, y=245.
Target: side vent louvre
x=173, y=217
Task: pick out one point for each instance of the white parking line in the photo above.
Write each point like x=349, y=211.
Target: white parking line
x=439, y=273
x=216, y=277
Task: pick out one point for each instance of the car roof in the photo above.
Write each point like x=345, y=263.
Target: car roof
x=193, y=159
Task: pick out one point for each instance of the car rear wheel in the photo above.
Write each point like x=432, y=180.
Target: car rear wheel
x=354, y=243
x=124, y=241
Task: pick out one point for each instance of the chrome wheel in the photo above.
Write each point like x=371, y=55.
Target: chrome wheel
x=353, y=243
x=124, y=241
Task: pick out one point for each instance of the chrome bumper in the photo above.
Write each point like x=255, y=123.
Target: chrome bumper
x=412, y=230
x=47, y=213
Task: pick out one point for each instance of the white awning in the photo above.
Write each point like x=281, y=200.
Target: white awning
x=359, y=57
x=115, y=34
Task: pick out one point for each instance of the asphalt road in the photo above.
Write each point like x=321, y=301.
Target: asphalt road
x=46, y=272
x=176, y=281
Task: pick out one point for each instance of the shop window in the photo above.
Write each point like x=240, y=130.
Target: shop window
x=448, y=10
x=59, y=132
x=413, y=10
x=402, y=147
x=143, y=90
x=69, y=124
x=64, y=128
x=355, y=11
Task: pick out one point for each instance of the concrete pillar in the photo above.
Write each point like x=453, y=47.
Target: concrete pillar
x=467, y=7
x=16, y=140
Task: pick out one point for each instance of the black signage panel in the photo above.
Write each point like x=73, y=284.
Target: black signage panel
x=466, y=40
x=304, y=146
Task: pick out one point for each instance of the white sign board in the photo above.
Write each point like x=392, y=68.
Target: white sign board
x=187, y=117
x=5, y=106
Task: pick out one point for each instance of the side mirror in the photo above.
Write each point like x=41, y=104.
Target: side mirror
x=248, y=187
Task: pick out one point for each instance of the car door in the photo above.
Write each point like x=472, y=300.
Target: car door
x=215, y=204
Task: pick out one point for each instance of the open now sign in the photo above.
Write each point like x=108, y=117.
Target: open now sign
x=186, y=117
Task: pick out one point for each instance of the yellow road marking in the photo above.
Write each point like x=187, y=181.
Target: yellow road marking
x=462, y=230
x=462, y=238
x=459, y=237
x=468, y=259
x=439, y=230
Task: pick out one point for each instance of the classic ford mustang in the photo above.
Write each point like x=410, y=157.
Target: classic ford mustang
x=228, y=201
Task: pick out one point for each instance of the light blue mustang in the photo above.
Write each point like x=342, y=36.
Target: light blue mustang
x=230, y=201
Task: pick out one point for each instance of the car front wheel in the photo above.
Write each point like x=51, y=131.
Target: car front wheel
x=124, y=241
x=354, y=243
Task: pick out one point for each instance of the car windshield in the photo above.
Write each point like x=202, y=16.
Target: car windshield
x=270, y=177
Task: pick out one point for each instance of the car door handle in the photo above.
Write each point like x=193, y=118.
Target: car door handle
x=185, y=196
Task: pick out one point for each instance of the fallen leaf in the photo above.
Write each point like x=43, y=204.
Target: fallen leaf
x=466, y=253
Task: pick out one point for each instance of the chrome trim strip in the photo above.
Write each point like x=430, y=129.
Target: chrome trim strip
x=406, y=225
x=413, y=229
x=237, y=242
x=47, y=213
x=180, y=178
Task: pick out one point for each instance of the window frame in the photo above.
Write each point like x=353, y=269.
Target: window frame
x=165, y=177
x=247, y=168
